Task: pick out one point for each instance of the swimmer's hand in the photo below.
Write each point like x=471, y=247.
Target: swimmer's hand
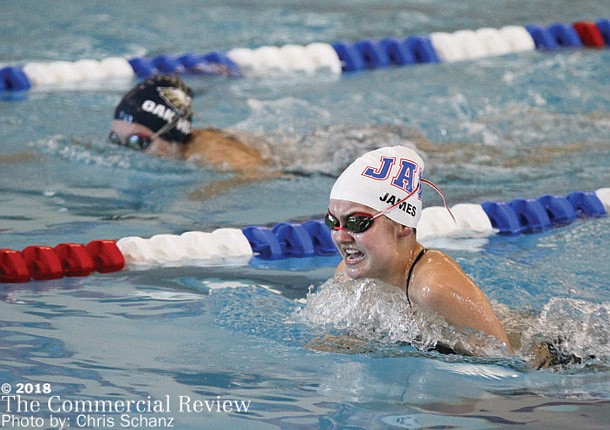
x=548, y=355
x=341, y=344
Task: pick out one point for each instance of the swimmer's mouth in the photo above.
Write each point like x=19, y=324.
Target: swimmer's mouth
x=352, y=256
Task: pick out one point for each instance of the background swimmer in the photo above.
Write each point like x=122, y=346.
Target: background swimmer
x=156, y=117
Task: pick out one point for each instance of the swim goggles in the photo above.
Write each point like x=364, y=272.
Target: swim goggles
x=359, y=222
x=356, y=223
x=141, y=142
x=135, y=141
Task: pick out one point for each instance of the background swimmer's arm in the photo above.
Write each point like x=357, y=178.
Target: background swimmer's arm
x=223, y=151
x=18, y=157
x=218, y=187
x=442, y=286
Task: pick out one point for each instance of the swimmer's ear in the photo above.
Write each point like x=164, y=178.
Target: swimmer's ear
x=405, y=231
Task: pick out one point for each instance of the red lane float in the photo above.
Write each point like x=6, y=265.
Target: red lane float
x=66, y=259
x=74, y=259
x=42, y=262
x=12, y=267
x=589, y=34
x=106, y=255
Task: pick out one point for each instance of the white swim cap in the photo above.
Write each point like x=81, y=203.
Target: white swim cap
x=380, y=179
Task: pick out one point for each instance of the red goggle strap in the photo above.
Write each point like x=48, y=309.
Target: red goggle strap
x=442, y=196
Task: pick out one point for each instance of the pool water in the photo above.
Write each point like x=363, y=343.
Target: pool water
x=273, y=336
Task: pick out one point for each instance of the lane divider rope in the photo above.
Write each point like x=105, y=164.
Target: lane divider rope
x=233, y=246
x=338, y=57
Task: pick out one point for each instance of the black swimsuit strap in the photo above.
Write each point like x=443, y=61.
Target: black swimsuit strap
x=419, y=256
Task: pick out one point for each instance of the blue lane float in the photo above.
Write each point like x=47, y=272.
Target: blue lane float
x=13, y=78
x=532, y=215
x=338, y=57
x=298, y=241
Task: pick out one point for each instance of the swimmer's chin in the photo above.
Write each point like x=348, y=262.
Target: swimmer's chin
x=355, y=273
x=347, y=272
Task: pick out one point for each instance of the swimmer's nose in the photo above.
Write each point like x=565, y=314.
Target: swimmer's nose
x=342, y=236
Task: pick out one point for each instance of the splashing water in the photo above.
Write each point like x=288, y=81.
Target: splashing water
x=326, y=150
x=102, y=154
x=365, y=307
x=371, y=310
x=574, y=328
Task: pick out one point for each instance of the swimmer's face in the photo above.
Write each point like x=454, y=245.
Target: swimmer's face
x=138, y=136
x=374, y=253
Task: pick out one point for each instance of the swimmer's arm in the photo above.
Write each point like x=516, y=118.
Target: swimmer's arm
x=443, y=287
x=17, y=157
x=219, y=187
x=224, y=151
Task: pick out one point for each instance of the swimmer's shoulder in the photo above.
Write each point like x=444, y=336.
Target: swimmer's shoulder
x=433, y=263
x=222, y=149
x=212, y=136
x=435, y=277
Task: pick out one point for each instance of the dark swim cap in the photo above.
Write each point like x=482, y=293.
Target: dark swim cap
x=157, y=101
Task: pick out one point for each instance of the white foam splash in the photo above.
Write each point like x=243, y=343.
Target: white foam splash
x=572, y=326
x=373, y=311
x=368, y=308
x=487, y=372
x=168, y=296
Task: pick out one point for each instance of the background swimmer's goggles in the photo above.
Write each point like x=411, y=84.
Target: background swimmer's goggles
x=140, y=142
x=359, y=223
x=135, y=141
